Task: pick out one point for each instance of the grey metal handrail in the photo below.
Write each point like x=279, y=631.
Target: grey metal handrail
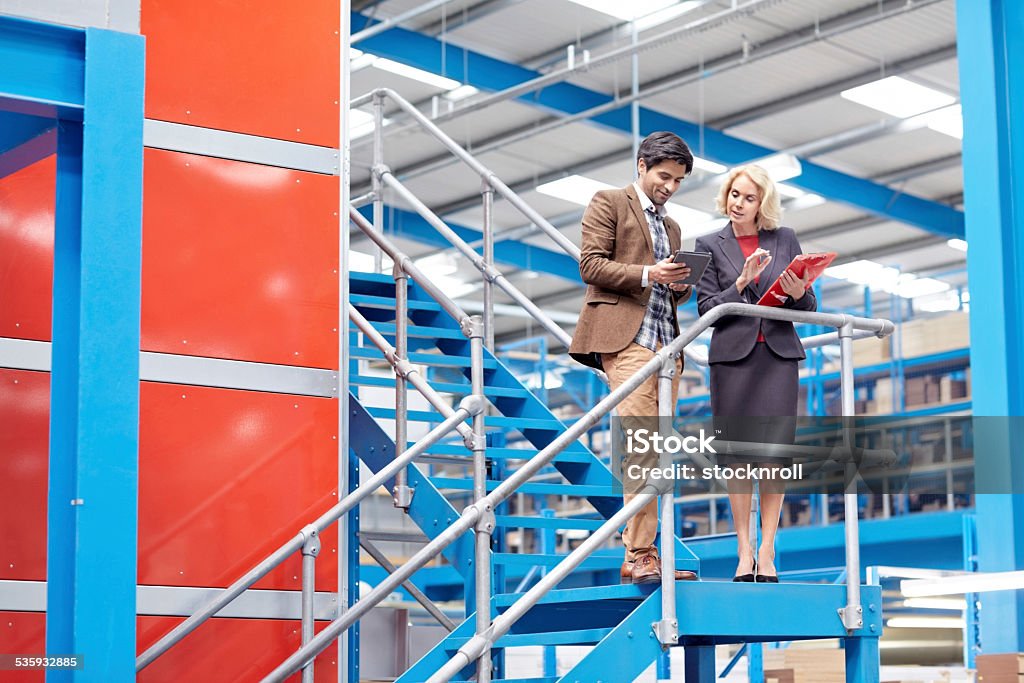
x=470, y=406
x=481, y=512
x=667, y=629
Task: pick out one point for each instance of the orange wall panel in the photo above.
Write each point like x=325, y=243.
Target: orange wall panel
x=225, y=477
x=261, y=67
x=239, y=261
x=238, y=650
x=228, y=476
x=26, y=250
x=24, y=440
x=23, y=633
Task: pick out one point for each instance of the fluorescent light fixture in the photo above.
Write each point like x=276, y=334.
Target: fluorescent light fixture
x=958, y=244
x=877, y=276
x=360, y=123
x=780, y=166
x=911, y=287
x=657, y=17
x=460, y=93
x=626, y=11
x=575, y=188
x=936, y=603
x=948, y=120
x=440, y=264
x=925, y=622
x=580, y=190
x=703, y=164
x=684, y=215
x=415, y=74
x=963, y=583
x=708, y=228
x=789, y=191
x=937, y=303
x=807, y=201
x=898, y=97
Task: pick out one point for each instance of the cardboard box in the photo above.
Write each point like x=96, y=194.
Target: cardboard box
x=1004, y=668
x=808, y=666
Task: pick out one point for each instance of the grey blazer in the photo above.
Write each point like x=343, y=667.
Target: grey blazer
x=734, y=336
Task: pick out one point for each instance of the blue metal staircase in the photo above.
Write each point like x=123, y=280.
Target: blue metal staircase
x=616, y=619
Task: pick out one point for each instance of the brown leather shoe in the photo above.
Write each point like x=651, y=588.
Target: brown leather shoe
x=646, y=569
x=626, y=573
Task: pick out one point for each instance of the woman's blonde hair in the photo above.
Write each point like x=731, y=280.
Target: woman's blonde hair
x=770, y=213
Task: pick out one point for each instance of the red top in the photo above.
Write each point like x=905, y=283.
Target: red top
x=748, y=245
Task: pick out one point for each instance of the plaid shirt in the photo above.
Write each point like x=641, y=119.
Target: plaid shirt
x=658, y=326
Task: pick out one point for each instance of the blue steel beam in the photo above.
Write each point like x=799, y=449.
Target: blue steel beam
x=488, y=73
x=989, y=49
x=24, y=140
x=43, y=71
x=94, y=405
x=410, y=225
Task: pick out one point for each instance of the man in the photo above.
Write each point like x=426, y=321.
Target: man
x=629, y=311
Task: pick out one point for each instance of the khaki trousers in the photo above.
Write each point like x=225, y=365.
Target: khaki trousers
x=639, y=409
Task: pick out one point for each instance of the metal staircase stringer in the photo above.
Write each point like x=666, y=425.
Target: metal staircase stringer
x=430, y=510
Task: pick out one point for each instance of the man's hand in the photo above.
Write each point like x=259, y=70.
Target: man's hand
x=665, y=272
x=792, y=285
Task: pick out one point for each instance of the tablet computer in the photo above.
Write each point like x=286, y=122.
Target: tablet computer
x=697, y=260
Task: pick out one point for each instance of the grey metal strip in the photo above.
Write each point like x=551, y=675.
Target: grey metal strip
x=180, y=601
x=21, y=354
x=118, y=15
x=178, y=137
x=234, y=374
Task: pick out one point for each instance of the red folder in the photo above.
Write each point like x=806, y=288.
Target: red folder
x=815, y=264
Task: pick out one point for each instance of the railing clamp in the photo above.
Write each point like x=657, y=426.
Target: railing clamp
x=402, y=495
x=667, y=632
x=852, y=619
x=472, y=326
x=310, y=540
x=473, y=404
x=487, y=521
x=403, y=367
x=475, y=442
x=380, y=170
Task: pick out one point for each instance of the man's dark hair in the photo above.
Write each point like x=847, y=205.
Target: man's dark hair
x=662, y=146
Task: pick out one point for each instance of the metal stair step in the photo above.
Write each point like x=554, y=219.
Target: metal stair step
x=496, y=453
x=588, y=594
x=436, y=359
x=443, y=387
x=490, y=420
x=417, y=331
x=541, y=489
x=520, y=522
x=388, y=303
x=587, y=636
x=550, y=560
x=546, y=679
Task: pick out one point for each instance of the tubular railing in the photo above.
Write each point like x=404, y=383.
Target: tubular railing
x=480, y=514
x=307, y=540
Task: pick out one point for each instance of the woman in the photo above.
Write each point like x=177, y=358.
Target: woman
x=754, y=375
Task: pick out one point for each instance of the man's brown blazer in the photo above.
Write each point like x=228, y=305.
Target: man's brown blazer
x=616, y=246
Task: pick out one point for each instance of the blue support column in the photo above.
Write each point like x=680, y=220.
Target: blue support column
x=989, y=49
x=699, y=663
x=862, y=660
x=94, y=407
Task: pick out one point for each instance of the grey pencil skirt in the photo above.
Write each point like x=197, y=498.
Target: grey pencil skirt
x=754, y=400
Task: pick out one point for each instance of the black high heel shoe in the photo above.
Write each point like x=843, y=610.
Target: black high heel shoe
x=746, y=578
x=764, y=578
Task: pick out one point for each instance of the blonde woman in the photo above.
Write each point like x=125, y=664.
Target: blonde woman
x=754, y=374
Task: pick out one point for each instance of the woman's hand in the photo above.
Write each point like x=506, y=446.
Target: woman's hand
x=792, y=285
x=752, y=267
x=676, y=287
